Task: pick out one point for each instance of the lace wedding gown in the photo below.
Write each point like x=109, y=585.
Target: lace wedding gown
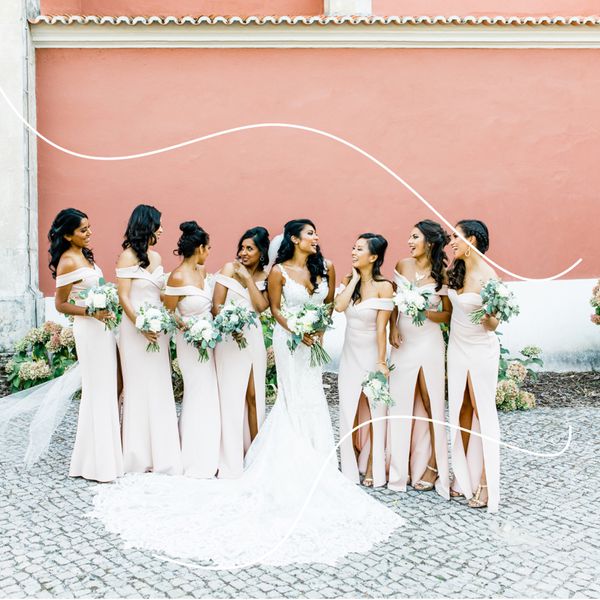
x=254, y=519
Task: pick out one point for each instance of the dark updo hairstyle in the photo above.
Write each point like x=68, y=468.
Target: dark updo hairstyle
x=470, y=227
x=315, y=262
x=260, y=237
x=65, y=223
x=143, y=223
x=377, y=245
x=192, y=236
x=437, y=238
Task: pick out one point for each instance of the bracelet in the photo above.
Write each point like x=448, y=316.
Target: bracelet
x=382, y=362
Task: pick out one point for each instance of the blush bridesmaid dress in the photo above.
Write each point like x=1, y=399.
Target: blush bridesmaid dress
x=473, y=354
x=97, y=454
x=150, y=433
x=235, y=366
x=200, y=420
x=359, y=357
x=409, y=441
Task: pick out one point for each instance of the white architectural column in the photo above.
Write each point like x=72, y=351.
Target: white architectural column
x=339, y=8
x=21, y=304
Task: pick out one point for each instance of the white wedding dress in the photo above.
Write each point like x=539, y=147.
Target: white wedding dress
x=254, y=519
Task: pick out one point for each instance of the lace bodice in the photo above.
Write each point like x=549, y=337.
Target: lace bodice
x=295, y=294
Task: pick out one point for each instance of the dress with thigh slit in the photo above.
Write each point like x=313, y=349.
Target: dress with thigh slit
x=234, y=367
x=473, y=354
x=409, y=441
x=359, y=357
x=200, y=420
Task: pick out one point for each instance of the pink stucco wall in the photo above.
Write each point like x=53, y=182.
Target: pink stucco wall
x=508, y=136
x=315, y=7
x=180, y=8
x=486, y=7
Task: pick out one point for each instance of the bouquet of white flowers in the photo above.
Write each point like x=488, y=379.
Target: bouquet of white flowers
x=497, y=301
x=103, y=297
x=202, y=334
x=154, y=319
x=309, y=319
x=233, y=319
x=377, y=389
x=413, y=302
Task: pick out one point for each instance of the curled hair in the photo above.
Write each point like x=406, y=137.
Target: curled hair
x=260, y=237
x=479, y=230
x=377, y=245
x=65, y=223
x=192, y=236
x=315, y=263
x=437, y=238
x=140, y=232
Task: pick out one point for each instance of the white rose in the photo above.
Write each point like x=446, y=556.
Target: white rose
x=89, y=300
x=308, y=320
x=233, y=318
x=207, y=334
x=376, y=385
x=155, y=325
x=153, y=313
x=99, y=301
x=139, y=321
x=502, y=291
x=420, y=303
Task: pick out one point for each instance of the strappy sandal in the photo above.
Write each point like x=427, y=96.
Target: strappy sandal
x=454, y=494
x=425, y=486
x=475, y=501
x=367, y=482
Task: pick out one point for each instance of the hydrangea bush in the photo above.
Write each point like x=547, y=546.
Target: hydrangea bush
x=43, y=354
x=512, y=374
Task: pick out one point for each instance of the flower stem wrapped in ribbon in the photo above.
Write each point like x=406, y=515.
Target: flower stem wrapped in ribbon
x=233, y=319
x=497, y=301
x=377, y=388
x=103, y=297
x=413, y=301
x=154, y=319
x=309, y=319
x=201, y=333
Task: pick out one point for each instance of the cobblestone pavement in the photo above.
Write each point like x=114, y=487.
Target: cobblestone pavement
x=545, y=542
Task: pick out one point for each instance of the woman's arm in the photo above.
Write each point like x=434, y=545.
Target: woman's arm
x=441, y=316
x=383, y=316
x=343, y=299
x=259, y=299
x=175, y=280
x=276, y=282
x=331, y=282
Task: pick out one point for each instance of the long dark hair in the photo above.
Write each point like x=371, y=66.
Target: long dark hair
x=260, y=237
x=65, y=223
x=377, y=245
x=315, y=263
x=470, y=227
x=139, y=235
x=192, y=236
x=437, y=238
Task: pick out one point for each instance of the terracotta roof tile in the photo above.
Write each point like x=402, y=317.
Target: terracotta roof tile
x=314, y=20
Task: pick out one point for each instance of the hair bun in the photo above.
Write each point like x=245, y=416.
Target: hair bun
x=189, y=227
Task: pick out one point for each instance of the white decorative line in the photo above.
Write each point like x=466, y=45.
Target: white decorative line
x=287, y=126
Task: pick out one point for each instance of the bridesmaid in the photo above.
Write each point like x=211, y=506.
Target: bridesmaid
x=473, y=357
x=150, y=436
x=241, y=372
x=418, y=382
x=367, y=301
x=97, y=454
x=188, y=292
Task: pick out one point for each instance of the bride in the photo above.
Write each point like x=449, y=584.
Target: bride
x=277, y=512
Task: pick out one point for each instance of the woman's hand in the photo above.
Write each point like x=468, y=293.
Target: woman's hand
x=150, y=336
x=240, y=270
x=489, y=322
x=383, y=368
x=395, y=337
x=102, y=315
x=308, y=339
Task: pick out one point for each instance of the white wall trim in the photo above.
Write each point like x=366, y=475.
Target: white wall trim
x=125, y=32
